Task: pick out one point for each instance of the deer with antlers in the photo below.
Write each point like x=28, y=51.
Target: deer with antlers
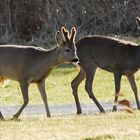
x=116, y=56
x=28, y=64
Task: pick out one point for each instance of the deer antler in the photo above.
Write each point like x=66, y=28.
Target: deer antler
x=65, y=33
x=73, y=34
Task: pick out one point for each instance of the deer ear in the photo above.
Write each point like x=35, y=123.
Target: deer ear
x=73, y=34
x=138, y=22
x=59, y=39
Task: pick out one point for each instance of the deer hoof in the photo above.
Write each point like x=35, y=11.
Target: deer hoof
x=114, y=108
x=15, y=119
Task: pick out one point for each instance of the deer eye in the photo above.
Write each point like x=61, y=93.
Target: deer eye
x=67, y=50
x=64, y=43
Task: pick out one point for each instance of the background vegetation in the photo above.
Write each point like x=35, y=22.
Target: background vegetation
x=36, y=21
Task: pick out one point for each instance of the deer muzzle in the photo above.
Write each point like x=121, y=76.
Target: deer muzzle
x=75, y=60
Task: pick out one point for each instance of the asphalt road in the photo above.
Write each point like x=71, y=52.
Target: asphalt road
x=69, y=109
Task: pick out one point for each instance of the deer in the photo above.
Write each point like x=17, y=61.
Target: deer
x=110, y=54
x=30, y=64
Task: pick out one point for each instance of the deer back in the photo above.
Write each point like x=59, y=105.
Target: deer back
x=107, y=53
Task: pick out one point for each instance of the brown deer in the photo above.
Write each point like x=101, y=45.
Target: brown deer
x=110, y=54
x=28, y=64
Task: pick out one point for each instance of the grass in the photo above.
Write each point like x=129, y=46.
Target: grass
x=58, y=87
x=109, y=126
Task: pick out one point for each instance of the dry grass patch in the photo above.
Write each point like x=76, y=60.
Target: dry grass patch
x=120, y=126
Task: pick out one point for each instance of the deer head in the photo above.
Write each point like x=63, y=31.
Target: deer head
x=66, y=43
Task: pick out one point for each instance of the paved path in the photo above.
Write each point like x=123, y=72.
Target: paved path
x=69, y=109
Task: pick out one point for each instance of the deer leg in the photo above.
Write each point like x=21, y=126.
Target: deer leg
x=117, y=78
x=1, y=116
x=41, y=87
x=131, y=80
x=24, y=89
x=88, y=87
x=74, y=84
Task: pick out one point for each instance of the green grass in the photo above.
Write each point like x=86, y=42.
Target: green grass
x=58, y=87
x=109, y=126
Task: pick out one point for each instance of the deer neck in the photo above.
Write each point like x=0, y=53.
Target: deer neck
x=52, y=57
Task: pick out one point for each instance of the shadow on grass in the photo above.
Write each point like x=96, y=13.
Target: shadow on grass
x=67, y=65
x=102, y=137
x=65, y=69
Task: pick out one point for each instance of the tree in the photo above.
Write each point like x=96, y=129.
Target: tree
x=36, y=21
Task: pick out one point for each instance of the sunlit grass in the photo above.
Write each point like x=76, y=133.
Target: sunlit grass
x=58, y=87
x=116, y=126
